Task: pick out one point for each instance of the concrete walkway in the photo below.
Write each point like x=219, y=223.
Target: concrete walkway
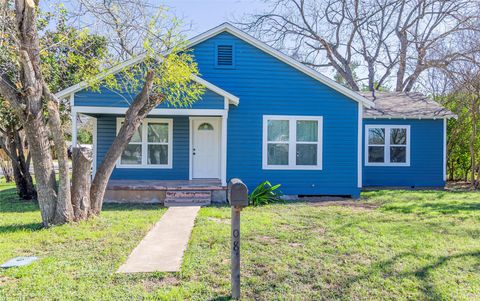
x=162, y=248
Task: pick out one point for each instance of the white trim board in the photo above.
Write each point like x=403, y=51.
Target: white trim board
x=169, y=112
x=82, y=85
x=445, y=149
x=227, y=27
x=359, y=147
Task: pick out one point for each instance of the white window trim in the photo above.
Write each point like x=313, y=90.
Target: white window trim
x=387, y=145
x=145, y=144
x=292, y=143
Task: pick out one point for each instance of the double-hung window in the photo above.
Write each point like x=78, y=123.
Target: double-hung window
x=150, y=146
x=292, y=142
x=387, y=145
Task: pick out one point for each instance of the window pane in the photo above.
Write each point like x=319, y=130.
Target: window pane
x=307, y=130
x=157, y=154
x=398, y=154
x=277, y=154
x=132, y=154
x=205, y=127
x=278, y=130
x=398, y=136
x=376, y=154
x=306, y=154
x=137, y=137
x=158, y=132
x=376, y=136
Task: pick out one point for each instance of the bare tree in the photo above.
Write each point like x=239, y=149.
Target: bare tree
x=393, y=41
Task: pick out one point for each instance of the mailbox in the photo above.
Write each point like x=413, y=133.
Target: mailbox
x=237, y=193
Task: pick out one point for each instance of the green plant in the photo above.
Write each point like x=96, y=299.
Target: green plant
x=264, y=194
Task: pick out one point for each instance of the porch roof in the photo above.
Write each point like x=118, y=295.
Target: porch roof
x=70, y=91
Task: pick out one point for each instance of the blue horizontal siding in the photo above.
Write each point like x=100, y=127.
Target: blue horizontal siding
x=426, y=157
x=108, y=98
x=106, y=132
x=267, y=86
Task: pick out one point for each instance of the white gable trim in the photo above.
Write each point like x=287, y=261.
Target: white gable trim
x=234, y=100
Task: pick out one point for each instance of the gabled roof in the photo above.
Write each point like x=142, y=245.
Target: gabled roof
x=82, y=85
x=227, y=27
x=405, y=105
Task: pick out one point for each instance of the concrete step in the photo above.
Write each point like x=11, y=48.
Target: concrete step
x=187, y=198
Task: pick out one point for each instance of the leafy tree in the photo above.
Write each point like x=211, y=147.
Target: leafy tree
x=164, y=75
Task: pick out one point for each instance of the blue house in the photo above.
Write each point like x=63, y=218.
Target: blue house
x=265, y=116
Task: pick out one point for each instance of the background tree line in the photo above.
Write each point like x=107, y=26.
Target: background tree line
x=429, y=46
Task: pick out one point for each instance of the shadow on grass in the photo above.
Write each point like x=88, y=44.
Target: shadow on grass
x=446, y=208
x=221, y=298
x=10, y=202
x=423, y=273
x=130, y=207
x=20, y=227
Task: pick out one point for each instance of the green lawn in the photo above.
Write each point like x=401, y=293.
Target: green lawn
x=393, y=245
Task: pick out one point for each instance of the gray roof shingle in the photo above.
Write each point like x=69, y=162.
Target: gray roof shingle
x=404, y=105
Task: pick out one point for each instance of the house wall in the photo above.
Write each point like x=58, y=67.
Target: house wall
x=108, y=98
x=106, y=132
x=267, y=86
x=426, y=156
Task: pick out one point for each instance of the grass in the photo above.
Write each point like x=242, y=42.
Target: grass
x=393, y=245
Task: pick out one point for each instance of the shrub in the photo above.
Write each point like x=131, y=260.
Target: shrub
x=264, y=194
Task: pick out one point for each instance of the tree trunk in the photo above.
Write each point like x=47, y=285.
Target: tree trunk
x=473, y=138
x=7, y=168
x=21, y=168
x=81, y=172
x=64, y=209
x=39, y=147
x=402, y=60
x=134, y=116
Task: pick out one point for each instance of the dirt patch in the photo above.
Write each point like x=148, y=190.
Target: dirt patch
x=219, y=220
x=266, y=239
x=354, y=204
x=153, y=284
x=296, y=245
x=4, y=280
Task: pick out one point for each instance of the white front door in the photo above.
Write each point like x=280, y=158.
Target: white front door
x=206, y=148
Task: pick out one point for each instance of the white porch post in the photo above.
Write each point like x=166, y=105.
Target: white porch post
x=94, y=147
x=444, y=149
x=359, y=146
x=224, y=149
x=74, y=127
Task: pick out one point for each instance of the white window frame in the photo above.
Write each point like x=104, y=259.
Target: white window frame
x=387, y=145
x=293, y=142
x=145, y=144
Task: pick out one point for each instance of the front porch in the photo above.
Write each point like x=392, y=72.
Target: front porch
x=167, y=192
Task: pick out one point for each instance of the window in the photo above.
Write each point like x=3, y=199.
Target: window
x=205, y=127
x=150, y=146
x=224, y=56
x=292, y=142
x=387, y=145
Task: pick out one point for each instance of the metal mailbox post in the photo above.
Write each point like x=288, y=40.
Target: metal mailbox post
x=238, y=198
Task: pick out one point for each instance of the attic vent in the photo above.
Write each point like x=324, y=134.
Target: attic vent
x=225, y=57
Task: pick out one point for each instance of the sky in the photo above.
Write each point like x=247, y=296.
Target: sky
x=206, y=14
